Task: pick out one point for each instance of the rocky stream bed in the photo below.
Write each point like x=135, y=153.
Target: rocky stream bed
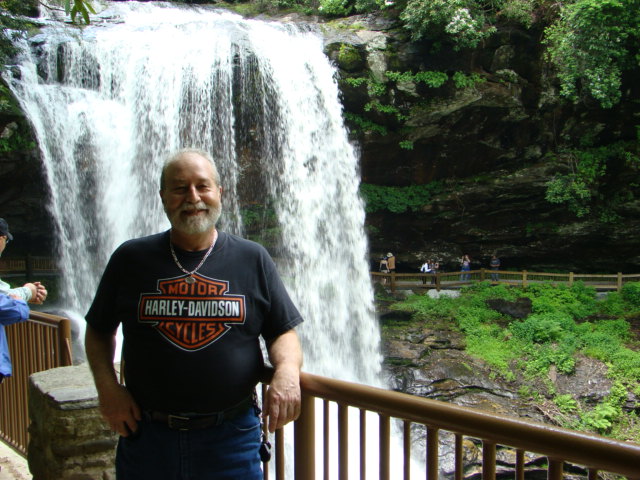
x=428, y=359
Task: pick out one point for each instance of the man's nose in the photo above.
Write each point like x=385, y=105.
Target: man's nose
x=192, y=194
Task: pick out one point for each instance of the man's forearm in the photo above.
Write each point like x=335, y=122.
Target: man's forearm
x=100, y=349
x=285, y=352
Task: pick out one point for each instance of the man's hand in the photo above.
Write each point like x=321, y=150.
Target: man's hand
x=282, y=400
x=38, y=292
x=119, y=410
x=41, y=293
x=117, y=406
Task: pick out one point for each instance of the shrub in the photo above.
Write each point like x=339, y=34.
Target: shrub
x=631, y=293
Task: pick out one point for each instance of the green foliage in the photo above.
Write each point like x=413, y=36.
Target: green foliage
x=364, y=125
x=17, y=141
x=398, y=199
x=430, y=78
x=582, y=186
x=461, y=80
x=406, y=145
x=543, y=328
x=82, y=7
x=600, y=418
x=578, y=301
x=348, y=54
x=566, y=403
x=335, y=8
x=631, y=293
x=592, y=43
x=549, y=337
x=363, y=6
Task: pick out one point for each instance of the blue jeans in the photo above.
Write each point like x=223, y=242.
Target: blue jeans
x=228, y=451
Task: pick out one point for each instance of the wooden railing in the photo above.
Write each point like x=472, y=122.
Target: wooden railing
x=27, y=264
x=41, y=343
x=44, y=342
x=444, y=280
x=594, y=453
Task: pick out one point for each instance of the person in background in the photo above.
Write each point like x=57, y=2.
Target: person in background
x=384, y=268
x=465, y=266
x=435, y=266
x=494, y=264
x=426, y=269
x=391, y=262
x=12, y=310
x=192, y=302
x=30, y=292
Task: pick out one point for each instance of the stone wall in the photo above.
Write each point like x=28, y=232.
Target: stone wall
x=69, y=440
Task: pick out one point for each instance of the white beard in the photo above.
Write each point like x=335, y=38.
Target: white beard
x=195, y=224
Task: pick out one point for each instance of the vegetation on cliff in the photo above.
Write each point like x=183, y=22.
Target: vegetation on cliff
x=564, y=323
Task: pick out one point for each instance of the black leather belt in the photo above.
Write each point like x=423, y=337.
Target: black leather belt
x=200, y=421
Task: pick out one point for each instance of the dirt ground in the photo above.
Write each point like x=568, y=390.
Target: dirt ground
x=12, y=465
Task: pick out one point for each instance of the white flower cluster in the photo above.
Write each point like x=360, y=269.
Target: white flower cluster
x=461, y=22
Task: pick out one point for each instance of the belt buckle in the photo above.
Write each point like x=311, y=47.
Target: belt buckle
x=176, y=422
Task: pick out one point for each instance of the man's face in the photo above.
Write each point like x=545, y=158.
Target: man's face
x=191, y=197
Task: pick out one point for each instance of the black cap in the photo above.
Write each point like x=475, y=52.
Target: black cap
x=4, y=229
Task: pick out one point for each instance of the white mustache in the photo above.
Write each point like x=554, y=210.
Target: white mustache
x=191, y=207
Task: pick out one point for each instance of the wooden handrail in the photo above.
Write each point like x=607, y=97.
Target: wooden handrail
x=558, y=444
x=443, y=280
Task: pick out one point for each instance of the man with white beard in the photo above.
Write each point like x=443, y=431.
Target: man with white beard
x=189, y=409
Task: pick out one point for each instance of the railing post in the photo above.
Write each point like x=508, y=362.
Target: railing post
x=304, y=440
x=482, y=274
x=64, y=337
x=524, y=278
x=385, y=447
x=488, y=460
x=555, y=471
x=438, y=281
x=619, y=281
x=343, y=442
x=432, y=453
x=571, y=279
x=393, y=282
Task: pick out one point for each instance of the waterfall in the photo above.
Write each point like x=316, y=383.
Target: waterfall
x=109, y=101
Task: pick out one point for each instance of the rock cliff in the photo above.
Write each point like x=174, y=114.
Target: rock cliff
x=493, y=144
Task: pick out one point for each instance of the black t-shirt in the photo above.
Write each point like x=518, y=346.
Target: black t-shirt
x=192, y=347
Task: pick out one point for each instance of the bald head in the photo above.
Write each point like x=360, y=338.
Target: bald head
x=186, y=153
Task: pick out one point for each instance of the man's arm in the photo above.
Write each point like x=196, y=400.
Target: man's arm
x=282, y=400
x=12, y=310
x=117, y=406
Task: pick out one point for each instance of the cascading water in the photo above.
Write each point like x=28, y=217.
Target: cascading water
x=109, y=101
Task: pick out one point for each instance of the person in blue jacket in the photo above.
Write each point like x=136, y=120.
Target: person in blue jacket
x=12, y=310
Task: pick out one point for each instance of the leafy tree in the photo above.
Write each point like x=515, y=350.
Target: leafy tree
x=465, y=22
x=461, y=19
x=581, y=187
x=592, y=44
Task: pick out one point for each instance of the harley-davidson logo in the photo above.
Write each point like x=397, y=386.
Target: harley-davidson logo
x=192, y=315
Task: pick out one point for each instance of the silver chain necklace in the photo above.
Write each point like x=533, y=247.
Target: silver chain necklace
x=190, y=278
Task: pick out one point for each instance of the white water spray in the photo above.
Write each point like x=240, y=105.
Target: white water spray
x=108, y=102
